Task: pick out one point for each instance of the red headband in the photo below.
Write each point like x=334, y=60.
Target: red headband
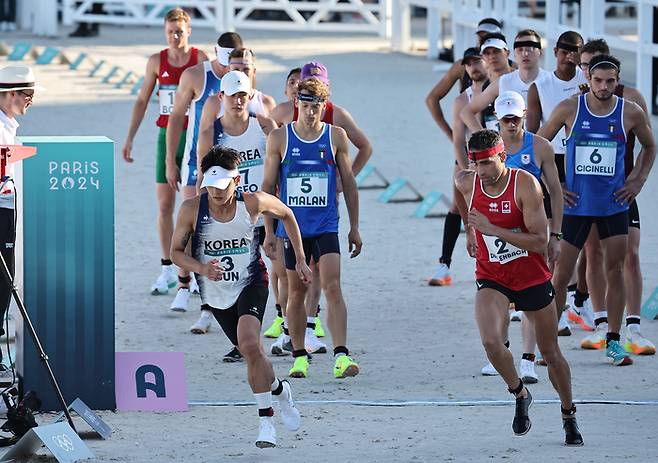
x=487, y=153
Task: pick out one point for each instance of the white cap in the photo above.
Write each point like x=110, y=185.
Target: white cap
x=235, y=82
x=493, y=42
x=509, y=103
x=17, y=77
x=218, y=177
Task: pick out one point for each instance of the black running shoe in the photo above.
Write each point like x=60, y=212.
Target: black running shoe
x=233, y=356
x=572, y=437
x=521, y=424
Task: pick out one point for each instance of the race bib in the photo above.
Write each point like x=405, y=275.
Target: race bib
x=501, y=251
x=307, y=189
x=166, y=95
x=596, y=158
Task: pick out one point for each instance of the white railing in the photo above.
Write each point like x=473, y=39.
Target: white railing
x=370, y=16
x=465, y=15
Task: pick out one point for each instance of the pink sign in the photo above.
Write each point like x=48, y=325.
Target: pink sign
x=151, y=381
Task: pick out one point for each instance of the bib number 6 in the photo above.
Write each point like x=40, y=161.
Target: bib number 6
x=595, y=157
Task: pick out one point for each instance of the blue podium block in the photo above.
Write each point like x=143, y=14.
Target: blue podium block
x=78, y=61
x=423, y=210
x=68, y=269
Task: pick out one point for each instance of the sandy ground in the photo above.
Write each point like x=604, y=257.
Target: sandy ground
x=413, y=342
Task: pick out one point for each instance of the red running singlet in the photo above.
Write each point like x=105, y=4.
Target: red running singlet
x=168, y=78
x=328, y=117
x=496, y=259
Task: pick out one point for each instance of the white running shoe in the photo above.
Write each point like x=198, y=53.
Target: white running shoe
x=289, y=413
x=266, y=433
x=194, y=286
x=596, y=340
x=515, y=315
x=527, y=372
x=582, y=316
x=441, y=277
x=313, y=344
x=489, y=370
x=202, y=325
x=179, y=304
x=563, y=328
x=277, y=347
x=167, y=279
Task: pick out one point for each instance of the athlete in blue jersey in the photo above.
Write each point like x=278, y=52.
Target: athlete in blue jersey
x=302, y=159
x=196, y=85
x=232, y=276
x=596, y=192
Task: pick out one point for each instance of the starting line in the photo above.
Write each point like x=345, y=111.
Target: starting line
x=423, y=403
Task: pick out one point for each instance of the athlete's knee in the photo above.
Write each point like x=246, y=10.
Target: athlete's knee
x=551, y=355
x=249, y=346
x=166, y=208
x=493, y=344
x=332, y=289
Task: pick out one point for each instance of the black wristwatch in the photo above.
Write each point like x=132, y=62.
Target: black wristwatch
x=557, y=235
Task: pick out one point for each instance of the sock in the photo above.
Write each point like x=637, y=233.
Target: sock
x=285, y=326
x=310, y=322
x=611, y=337
x=633, y=323
x=579, y=298
x=278, y=311
x=264, y=403
x=299, y=353
x=507, y=343
x=317, y=314
x=277, y=387
x=166, y=262
x=184, y=282
x=340, y=350
x=451, y=229
x=572, y=288
x=528, y=356
x=600, y=317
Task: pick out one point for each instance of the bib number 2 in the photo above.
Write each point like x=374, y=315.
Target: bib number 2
x=501, y=251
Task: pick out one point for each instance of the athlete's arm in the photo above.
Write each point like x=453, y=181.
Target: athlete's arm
x=561, y=116
x=281, y=113
x=464, y=183
x=639, y=124
x=201, y=56
x=269, y=103
x=459, y=132
x=273, y=156
x=546, y=156
x=206, y=134
x=530, y=199
x=139, y=110
x=478, y=104
x=344, y=120
x=185, y=93
x=266, y=123
x=533, y=114
x=263, y=203
x=182, y=233
x=439, y=91
x=344, y=165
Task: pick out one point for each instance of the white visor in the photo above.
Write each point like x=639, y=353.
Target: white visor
x=496, y=43
x=222, y=54
x=487, y=27
x=218, y=177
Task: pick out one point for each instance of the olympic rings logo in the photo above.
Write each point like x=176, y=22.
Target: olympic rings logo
x=63, y=442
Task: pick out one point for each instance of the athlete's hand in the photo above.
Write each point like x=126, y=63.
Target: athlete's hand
x=471, y=242
x=212, y=270
x=127, y=150
x=553, y=252
x=356, y=244
x=269, y=246
x=303, y=271
x=173, y=176
x=629, y=191
x=480, y=222
x=570, y=198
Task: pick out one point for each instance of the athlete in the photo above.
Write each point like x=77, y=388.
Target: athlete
x=196, y=85
x=303, y=159
x=597, y=125
x=165, y=68
x=233, y=278
x=507, y=230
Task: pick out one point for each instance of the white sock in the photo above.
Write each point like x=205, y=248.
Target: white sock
x=275, y=384
x=310, y=319
x=602, y=314
x=263, y=400
x=285, y=321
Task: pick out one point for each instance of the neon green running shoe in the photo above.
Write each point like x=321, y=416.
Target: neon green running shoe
x=345, y=366
x=299, y=368
x=276, y=328
x=319, y=330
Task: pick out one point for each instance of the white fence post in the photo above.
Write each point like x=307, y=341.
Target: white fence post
x=401, y=36
x=385, y=18
x=644, y=59
x=433, y=29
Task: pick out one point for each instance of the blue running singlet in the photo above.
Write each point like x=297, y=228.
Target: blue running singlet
x=524, y=158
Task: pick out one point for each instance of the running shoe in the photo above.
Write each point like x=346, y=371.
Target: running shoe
x=266, y=433
x=563, y=328
x=515, y=315
x=276, y=328
x=345, y=366
x=489, y=370
x=167, y=279
x=596, y=340
x=233, y=356
x=441, y=277
x=572, y=436
x=312, y=344
x=194, y=285
x=582, y=316
x=618, y=355
x=521, y=424
x=289, y=413
x=179, y=304
x=277, y=347
x=202, y=325
x=638, y=344
x=539, y=360
x=299, y=368
x=527, y=371
x=319, y=330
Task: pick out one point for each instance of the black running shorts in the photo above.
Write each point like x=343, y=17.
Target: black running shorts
x=252, y=301
x=575, y=228
x=527, y=300
x=633, y=215
x=315, y=247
